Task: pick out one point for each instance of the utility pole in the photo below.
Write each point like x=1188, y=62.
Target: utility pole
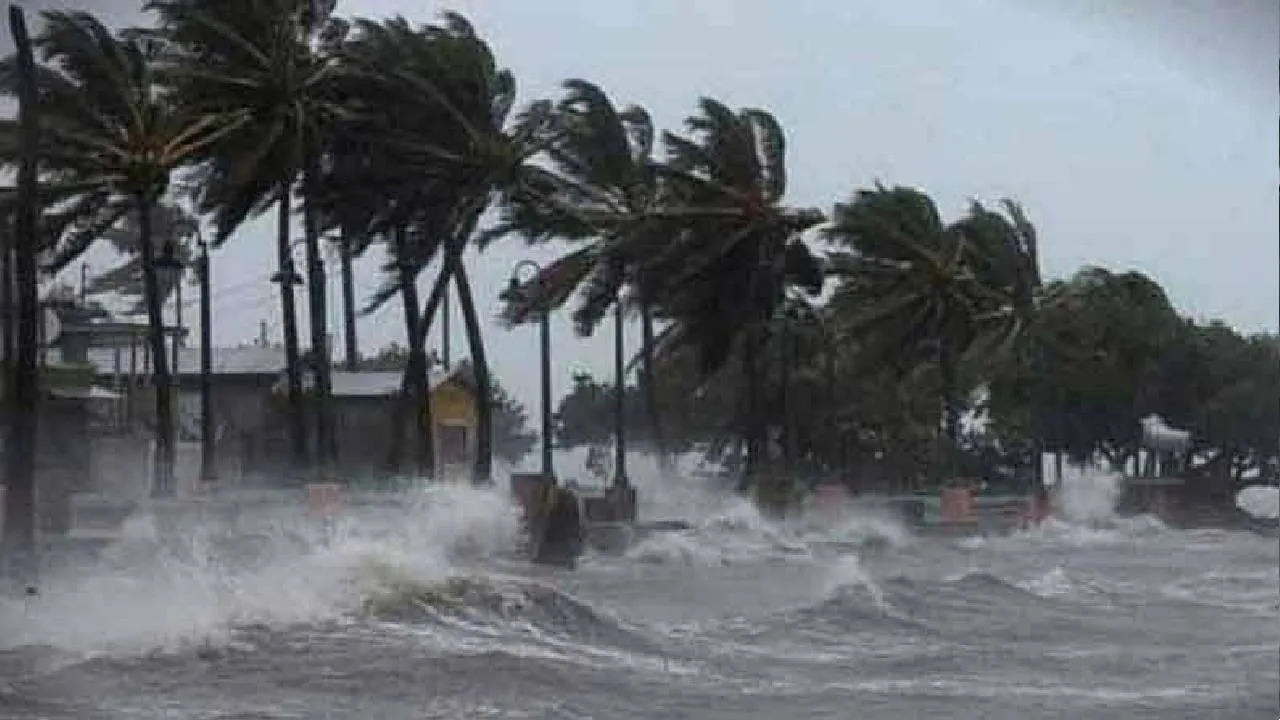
x=208, y=459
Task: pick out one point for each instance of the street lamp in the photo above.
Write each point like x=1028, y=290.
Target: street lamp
x=168, y=268
x=169, y=271
x=619, y=374
x=515, y=289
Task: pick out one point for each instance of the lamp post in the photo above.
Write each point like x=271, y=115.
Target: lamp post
x=169, y=274
x=515, y=287
x=208, y=469
x=619, y=420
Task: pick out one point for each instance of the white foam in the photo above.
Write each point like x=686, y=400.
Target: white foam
x=1260, y=501
x=143, y=597
x=1087, y=495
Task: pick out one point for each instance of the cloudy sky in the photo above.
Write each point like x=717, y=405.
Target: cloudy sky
x=1138, y=135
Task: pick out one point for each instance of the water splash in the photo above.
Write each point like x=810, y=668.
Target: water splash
x=1260, y=501
x=150, y=592
x=1087, y=495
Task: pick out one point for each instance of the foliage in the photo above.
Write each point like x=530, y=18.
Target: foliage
x=403, y=137
x=585, y=415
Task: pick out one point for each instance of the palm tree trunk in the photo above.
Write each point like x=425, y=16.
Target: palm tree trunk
x=321, y=356
x=754, y=423
x=656, y=434
x=162, y=460
x=786, y=397
x=22, y=390
x=475, y=340
x=419, y=395
x=352, y=355
x=293, y=373
x=950, y=405
x=421, y=329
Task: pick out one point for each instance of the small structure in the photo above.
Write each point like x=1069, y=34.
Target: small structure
x=1157, y=488
x=363, y=413
x=1164, y=445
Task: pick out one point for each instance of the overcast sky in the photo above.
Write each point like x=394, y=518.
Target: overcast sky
x=1138, y=134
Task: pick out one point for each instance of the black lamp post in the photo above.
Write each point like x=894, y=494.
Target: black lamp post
x=544, y=329
x=168, y=269
x=208, y=469
x=619, y=419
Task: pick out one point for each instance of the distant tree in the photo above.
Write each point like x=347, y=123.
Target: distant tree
x=1104, y=337
x=512, y=438
x=585, y=414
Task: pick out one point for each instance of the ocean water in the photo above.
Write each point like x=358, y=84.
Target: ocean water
x=422, y=612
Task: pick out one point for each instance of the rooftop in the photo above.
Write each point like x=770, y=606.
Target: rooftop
x=244, y=360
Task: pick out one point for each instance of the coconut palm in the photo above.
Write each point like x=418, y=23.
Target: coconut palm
x=924, y=294
x=436, y=105
x=603, y=187
x=265, y=62
x=110, y=139
x=734, y=249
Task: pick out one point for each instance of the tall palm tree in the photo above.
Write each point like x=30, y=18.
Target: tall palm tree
x=441, y=112
x=603, y=187
x=111, y=138
x=923, y=293
x=267, y=63
x=735, y=249
x=366, y=194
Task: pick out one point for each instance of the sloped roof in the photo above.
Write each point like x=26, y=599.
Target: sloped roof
x=378, y=383
x=245, y=360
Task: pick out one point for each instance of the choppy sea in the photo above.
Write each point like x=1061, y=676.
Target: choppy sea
x=420, y=611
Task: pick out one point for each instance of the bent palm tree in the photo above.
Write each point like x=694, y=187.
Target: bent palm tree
x=111, y=138
x=735, y=249
x=258, y=61
x=604, y=186
x=435, y=100
x=926, y=293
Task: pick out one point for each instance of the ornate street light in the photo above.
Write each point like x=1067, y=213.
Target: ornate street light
x=516, y=288
x=168, y=269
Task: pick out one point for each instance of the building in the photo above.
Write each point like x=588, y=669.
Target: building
x=364, y=413
x=252, y=438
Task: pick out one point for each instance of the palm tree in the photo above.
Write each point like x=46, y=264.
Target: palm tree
x=266, y=64
x=603, y=187
x=437, y=105
x=926, y=294
x=111, y=138
x=734, y=249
